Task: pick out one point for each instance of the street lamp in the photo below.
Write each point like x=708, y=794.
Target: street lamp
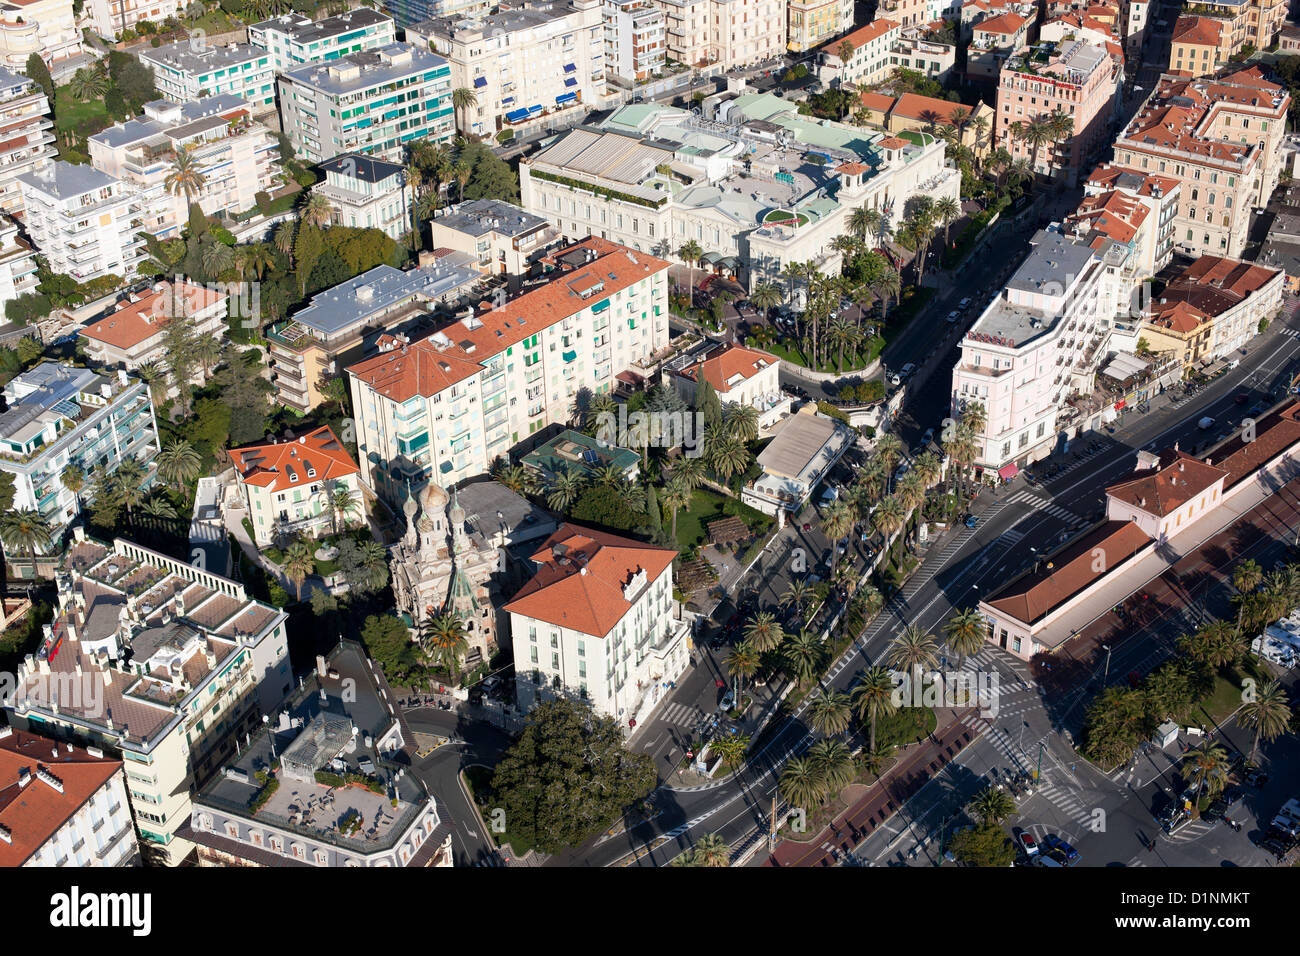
x=1106, y=675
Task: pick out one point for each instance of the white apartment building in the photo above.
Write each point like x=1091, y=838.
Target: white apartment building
x=367, y=193
x=636, y=46
x=59, y=416
x=1130, y=207
x=84, y=221
x=1035, y=345
x=183, y=73
x=69, y=805
x=869, y=62
x=813, y=22
x=598, y=623
x=158, y=662
x=237, y=157
x=445, y=407
x=408, y=13
x=17, y=263
x=501, y=238
x=377, y=103
x=293, y=39
x=738, y=375
x=733, y=33
x=28, y=135
x=47, y=27
x=522, y=63
x=111, y=18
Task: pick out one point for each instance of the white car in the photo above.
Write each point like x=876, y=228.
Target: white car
x=954, y=315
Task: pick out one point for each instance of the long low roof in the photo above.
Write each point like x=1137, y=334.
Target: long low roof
x=797, y=444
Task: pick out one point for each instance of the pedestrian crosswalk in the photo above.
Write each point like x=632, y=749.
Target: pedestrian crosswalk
x=681, y=715
x=1040, y=505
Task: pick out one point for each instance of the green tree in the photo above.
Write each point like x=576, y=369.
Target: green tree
x=26, y=529
x=984, y=845
x=872, y=697
x=1268, y=713
x=992, y=805
x=764, y=633
x=965, y=631
x=388, y=643
x=298, y=565
x=1206, y=767
x=709, y=851
x=38, y=71
x=830, y=713
x=178, y=462
x=742, y=663
x=185, y=176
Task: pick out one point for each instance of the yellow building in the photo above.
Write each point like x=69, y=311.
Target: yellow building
x=1200, y=46
x=813, y=22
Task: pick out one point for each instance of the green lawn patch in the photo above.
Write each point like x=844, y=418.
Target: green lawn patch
x=705, y=506
x=1223, y=699
x=856, y=359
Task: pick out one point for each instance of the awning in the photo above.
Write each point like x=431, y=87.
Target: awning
x=515, y=116
x=570, y=68
x=1007, y=472
x=566, y=97
x=480, y=81
x=600, y=306
x=507, y=101
x=710, y=258
x=570, y=81
x=535, y=108
x=729, y=262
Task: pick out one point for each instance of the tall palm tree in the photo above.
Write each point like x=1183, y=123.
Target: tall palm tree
x=74, y=479
x=728, y=455
x=710, y=850
x=564, y=489
x=872, y=698
x=913, y=650
x=802, y=783
x=676, y=496
x=766, y=296
x=415, y=182
x=1060, y=126
x=863, y=221
x=1268, y=713
x=157, y=506
x=797, y=594
x=742, y=663
x=317, y=211
x=342, y=502
x=829, y=713
x=764, y=633
x=965, y=631
x=185, y=177
x=837, y=523
x=462, y=99
x=128, y=483
x=217, y=257
x=445, y=642
x=207, y=352
x=89, y=84
x=889, y=517
x=992, y=805
x=285, y=233
x=1206, y=765
x=1246, y=578
x=889, y=449
x=178, y=462
x=298, y=564
x=740, y=420
x=834, y=762
x=690, y=252
x=803, y=655
x=26, y=529
x=947, y=210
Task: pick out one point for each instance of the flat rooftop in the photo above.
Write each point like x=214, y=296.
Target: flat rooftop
x=362, y=71
x=357, y=301
x=478, y=217
x=302, y=29
x=64, y=180
x=181, y=56
x=801, y=441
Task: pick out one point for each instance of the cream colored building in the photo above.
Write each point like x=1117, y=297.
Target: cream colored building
x=869, y=62
x=110, y=18
x=814, y=22
x=158, y=662
x=28, y=143
x=367, y=193
x=738, y=375
x=502, y=238
x=733, y=33
x=47, y=27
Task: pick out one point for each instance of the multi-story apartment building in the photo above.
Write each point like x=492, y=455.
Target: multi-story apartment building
x=994, y=40
x=501, y=238
x=112, y=18
x=26, y=135
x=1200, y=46
x=869, y=61
x=83, y=221
x=237, y=157
x=397, y=819
x=293, y=39
x=292, y=487
x=17, y=263
x=636, y=47
x=64, y=805
x=975, y=12
x=908, y=13
x=445, y=407
x=1080, y=80
x=184, y=74
x=597, y=622
x=1212, y=308
x=813, y=22
x=376, y=103
x=47, y=27
x=408, y=13
x=132, y=336
x=522, y=63
x=160, y=663
x=58, y=417
x=1131, y=208
x=1036, y=344
x=738, y=184
x=738, y=375
x=917, y=49
x=1221, y=138
x=733, y=33
x=367, y=193
x=1244, y=23
x=344, y=323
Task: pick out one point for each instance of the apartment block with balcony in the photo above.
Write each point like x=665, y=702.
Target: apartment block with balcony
x=598, y=623
x=1221, y=138
x=1078, y=79
x=1136, y=209
x=367, y=193
x=58, y=417
x=522, y=63
x=869, y=61
x=1200, y=46
x=237, y=157
x=158, y=662
x=111, y=18
x=994, y=41
x=46, y=27
x=68, y=805
x=346, y=322
x=26, y=135
x=85, y=222
x=1240, y=24
x=293, y=39
x=17, y=263
x=734, y=33
x=917, y=49
x=635, y=44
x=1036, y=344
x=409, y=13
x=376, y=103
x=814, y=22
x=501, y=238
x=184, y=74
x=445, y=407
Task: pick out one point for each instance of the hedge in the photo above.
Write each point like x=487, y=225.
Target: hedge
x=265, y=794
x=598, y=190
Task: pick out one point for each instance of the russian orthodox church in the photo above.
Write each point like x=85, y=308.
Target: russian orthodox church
x=438, y=565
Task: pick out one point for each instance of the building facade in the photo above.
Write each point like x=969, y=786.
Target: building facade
x=293, y=39
x=869, y=61
x=28, y=130
x=733, y=33
x=814, y=22
x=183, y=73
x=367, y=193
x=17, y=263
x=112, y=18
x=47, y=27
x=502, y=238
x=636, y=46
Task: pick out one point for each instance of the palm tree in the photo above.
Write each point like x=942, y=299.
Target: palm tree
x=764, y=633
x=741, y=421
x=128, y=483
x=74, y=479
x=709, y=851
x=207, y=352
x=766, y=296
x=688, y=471
x=829, y=713
x=889, y=517
x=26, y=529
x=803, y=654
x=461, y=172
x=676, y=495
x=1060, y=126
x=1207, y=766
x=257, y=258
x=185, y=176
x=965, y=631
x=873, y=697
x=285, y=233
x=863, y=221
x=564, y=489
x=445, y=641
x=158, y=506
x=728, y=455
x=1246, y=578
x=415, y=182
x=797, y=593
x=317, y=211
x=1269, y=713
x=1034, y=134
x=178, y=462
x=947, y=210
x=913, y=650
x=462, y=99
x=841, y=333
x=88, y=84
x=298, y=564
x=690, y=253
x=837, y=523
x=992, y=805
x=342, y=502
x=889, y=449
x=742, y=663
x=834, y=763
x=801, y=784
x=514, y=477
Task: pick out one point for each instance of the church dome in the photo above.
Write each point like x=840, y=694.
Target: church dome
x=433, y=500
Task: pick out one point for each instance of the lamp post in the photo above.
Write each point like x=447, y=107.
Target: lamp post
x=1106, y=675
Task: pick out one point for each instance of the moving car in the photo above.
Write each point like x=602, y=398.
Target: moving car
x=1206, y=422
x=971, y=521
x=1055, y=845
x=953, y=316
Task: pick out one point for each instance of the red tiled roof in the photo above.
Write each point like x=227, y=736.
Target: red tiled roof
x=134, y=322
x=33, y=813
x=1108, y=174
x=864, y=35
x=912, y=105
x=270, y=466
x=579, y=583
x=893, y=142
x=1163, y=490
x=876, y=101
x=1275, y=432
x=1180, y=317
x=1005, y=23
x=1198, y=30
x=722, y=366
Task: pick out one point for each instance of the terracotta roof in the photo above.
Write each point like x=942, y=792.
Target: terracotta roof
x=1163, y=490
x=893, y=142
x=34, y=812
x=270, y=466
x=1198, y=30
x=721, y=366
x=134, y=322
x=1075, y=568
x=1005, y=23
x=852, y=169
x=880, y=102
x=423, y=368
x=864, y=35
x=1228, y=275
x=1108, y=175
x=581, y=575
x=1180, y=317
x=1112, y=214
x=1275, y=432
x=912, y=105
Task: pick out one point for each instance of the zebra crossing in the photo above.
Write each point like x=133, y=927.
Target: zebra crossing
x=1027, y=497
x=1067, y=801
x=681, y=715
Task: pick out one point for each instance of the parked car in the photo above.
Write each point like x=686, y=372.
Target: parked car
x=927, y=437
x=1204, y=423
x=1055, y=845
x=728, y=701
x=953, y=316
x=1027, y=843
x=1051, y=857
x=964, y=304
x=971, y=521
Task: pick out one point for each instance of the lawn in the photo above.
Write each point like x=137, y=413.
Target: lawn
x=213, y=23
x=852, y=359
x=705, y=506
x=69, y=112
x=1223, y=699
